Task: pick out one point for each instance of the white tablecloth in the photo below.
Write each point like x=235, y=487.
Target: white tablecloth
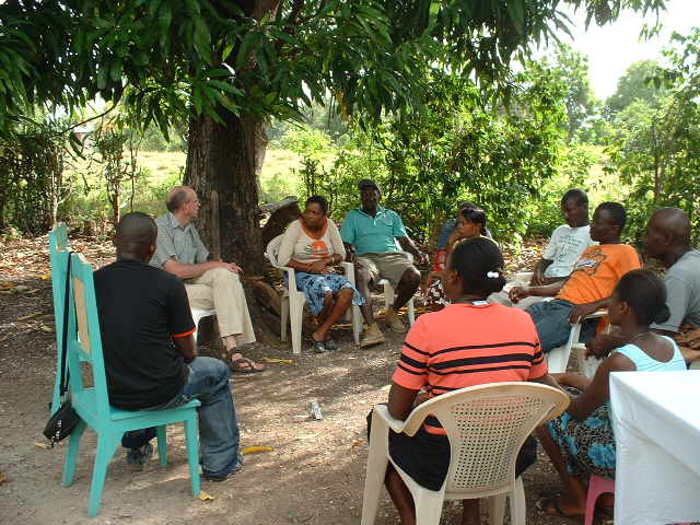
x=656, y=419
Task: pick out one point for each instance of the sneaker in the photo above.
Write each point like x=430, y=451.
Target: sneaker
x=139, y=457
x=372, y=336
x=393, y=321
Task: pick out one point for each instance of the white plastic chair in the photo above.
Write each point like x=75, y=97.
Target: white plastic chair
x=558, y=358
x=486, y=426
x=389, y=296
x=198, y=315
x=293, y=300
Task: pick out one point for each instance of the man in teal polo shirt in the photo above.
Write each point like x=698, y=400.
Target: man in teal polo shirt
x=370, y=233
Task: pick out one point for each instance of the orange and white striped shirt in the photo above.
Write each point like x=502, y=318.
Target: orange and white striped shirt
x=466, y=345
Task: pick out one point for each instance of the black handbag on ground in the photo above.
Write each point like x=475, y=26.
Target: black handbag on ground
x=65, y=419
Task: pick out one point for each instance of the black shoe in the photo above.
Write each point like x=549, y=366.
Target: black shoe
x=331, y=344
x=320, y=347
x=139, y=457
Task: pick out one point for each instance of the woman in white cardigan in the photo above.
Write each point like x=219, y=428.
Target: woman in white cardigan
x=312, y=245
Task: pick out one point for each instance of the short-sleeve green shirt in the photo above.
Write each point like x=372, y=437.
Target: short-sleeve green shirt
x=373, y=234
x=175, y=241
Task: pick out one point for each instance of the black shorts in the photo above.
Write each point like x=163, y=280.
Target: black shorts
x=426, y=457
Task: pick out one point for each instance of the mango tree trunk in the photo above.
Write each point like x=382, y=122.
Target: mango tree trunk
x=221, y=159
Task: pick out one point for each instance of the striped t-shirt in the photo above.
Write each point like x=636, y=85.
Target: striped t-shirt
x=466, y=345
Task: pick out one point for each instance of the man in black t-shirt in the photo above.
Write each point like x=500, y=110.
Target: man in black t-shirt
x=149, y=351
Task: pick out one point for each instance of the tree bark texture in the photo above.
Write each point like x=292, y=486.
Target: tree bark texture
x=221, y=158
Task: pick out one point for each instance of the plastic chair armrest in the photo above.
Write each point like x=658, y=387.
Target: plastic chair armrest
x=290, y=275
x=396, y=425
x=349, y=269
x=595, y=315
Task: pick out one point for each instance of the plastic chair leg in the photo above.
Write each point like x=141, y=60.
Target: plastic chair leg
x=296, y=309
x=518, y=512
x=106, y=447
x=428, y=507
x=389, y=295
x=356, y=323
x=72, y=454
x=162, y=445
x=497, y=508
x=284, y=317
x=596, y=486
x=193, y=453
x=411, y=312
x=377, y=462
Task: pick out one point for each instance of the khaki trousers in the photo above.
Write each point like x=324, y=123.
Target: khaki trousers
x=220, y=290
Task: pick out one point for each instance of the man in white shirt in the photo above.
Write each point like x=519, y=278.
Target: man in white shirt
x=565, y=247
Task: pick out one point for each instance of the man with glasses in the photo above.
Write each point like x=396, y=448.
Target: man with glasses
x=210, y=284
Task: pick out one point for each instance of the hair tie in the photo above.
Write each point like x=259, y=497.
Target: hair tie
x=493, y=275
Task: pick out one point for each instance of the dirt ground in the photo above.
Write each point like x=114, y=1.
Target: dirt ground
x=314, y=476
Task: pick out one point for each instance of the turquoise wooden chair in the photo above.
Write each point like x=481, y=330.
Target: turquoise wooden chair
x=92, y=404
x=59, y=251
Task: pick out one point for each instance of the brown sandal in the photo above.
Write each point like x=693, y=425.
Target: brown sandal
x=237, y=368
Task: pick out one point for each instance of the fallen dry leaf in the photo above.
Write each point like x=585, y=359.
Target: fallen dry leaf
x=357, y=443
x=275, y=360
x=45, y=277
x=203, y=496
x=256, y=449
x=46, y=329
x=3, y=478
x=2, y=338
x=28, y=317
x=42, y=444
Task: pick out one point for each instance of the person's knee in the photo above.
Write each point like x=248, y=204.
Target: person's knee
x=215, y=368
x=222, y=274
x=345, y=295
x=410, y=278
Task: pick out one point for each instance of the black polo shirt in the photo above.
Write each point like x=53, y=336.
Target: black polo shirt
x=141, y=309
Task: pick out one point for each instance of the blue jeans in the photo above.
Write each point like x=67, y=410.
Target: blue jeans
x=553, y=326
x=218, y=425
x=552, y=321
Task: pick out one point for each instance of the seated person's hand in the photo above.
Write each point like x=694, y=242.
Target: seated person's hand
x=690, y=355
x=601, y=346
x=232, y=267
x=518, y=293
x=690, y=339
x=580, y=311
x=424, y=258
x=537, y=278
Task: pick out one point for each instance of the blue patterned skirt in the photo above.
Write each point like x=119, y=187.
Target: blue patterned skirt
x=588, y=446
x=315, y=287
